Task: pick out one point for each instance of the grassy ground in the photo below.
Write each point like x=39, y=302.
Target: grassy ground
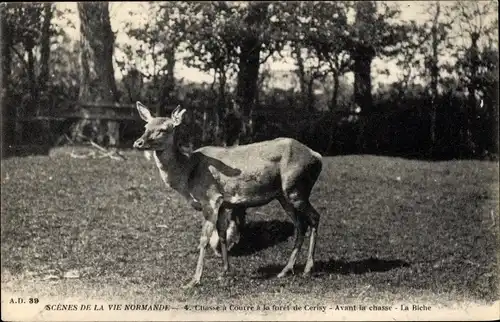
x=389, y=226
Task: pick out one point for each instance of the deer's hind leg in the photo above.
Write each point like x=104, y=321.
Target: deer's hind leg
x=222, y=224
x=300, y=224
x=297, y=188
x=239, y=217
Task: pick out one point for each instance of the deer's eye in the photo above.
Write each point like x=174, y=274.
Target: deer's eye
x=166, y=128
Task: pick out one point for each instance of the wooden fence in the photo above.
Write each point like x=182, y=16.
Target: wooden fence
x=268, y=121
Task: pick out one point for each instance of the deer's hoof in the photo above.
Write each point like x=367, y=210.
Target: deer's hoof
x=225, y=279
x=226, y=275
x=307, y=270
x=284, y=272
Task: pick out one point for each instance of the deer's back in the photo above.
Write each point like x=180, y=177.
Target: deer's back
x=252, y=174
x=261, y=154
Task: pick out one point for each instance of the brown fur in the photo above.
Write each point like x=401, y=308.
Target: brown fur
x=221, y=182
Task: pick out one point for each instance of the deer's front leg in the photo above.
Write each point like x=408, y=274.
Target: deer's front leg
x=206, y=232
x=222, y=225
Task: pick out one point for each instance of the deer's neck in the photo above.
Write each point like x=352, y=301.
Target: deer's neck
x=174, y=167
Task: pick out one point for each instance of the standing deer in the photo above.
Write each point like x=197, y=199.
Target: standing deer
x=224, y=182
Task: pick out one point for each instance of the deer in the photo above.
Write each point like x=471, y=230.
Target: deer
x=222, y=182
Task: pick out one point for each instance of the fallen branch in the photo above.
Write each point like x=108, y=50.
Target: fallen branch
x=117, y=157
x=118, y=154
x=98, y=146
x=69, y=139
x=63, y=137
x=113, y=154
x=82, y=156
x=106, y=155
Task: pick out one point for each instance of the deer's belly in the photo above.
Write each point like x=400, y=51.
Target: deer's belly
x=249, y=200
x=250, y=190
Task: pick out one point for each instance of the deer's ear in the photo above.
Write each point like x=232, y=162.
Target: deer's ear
x=177, y=115
x=143, y=112
x=175, y=112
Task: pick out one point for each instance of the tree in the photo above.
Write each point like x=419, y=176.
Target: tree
x=97, y=83
x=435, y=40
x=210, y=35
x=234, y=36
x=26, y=38
x=46, y=34
x=64, y=63
x=259, y=36
x=309, y=69
x=477, y=21
x=374, y=33
x=324, y=26
x=250, y=43
x=152, y=56
x=363, y=50
x=6, y=38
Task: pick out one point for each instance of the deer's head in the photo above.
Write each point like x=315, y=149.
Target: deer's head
x=159, y=131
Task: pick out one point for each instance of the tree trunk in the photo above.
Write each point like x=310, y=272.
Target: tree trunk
x=247, y=83
x=169, y=79
x=335, y=94
x=472, y=89
x=155, y=99
x=310, y=95
x=45, y=48
x=301, y=73
x=363, y=98
x=8, y=111
x=133, y=83
x=494, y=116
x=204, y=125
x=363, y=53
x=27, y=107
x=362, y=79
x=434, y=78
x=43, y=76
x=29, y=46
x=220, y=110
x=97, y=82
x=249, y=63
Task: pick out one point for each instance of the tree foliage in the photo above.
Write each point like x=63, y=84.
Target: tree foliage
x=454, y=51
x=150, y=57
x=227, y=38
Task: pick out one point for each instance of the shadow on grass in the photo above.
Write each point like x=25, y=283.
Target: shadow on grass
x=259, y=235
x=336, y=267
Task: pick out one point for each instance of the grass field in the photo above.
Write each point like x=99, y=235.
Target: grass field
x=389, y=226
